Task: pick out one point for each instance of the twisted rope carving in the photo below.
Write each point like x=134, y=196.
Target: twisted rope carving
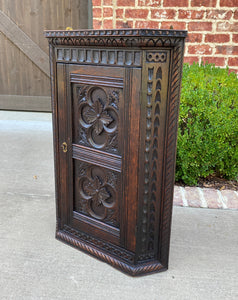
x=129, y=269
x=171, y=151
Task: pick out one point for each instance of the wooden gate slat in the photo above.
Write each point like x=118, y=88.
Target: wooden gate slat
x=25, y=103
x=24, y=43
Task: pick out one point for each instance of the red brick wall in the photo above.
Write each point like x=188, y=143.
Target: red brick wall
x=212, y=24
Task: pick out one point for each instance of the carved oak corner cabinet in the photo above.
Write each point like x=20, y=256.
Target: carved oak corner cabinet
x=115, y=101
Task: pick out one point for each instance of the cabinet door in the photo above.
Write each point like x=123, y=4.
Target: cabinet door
x=98, y=121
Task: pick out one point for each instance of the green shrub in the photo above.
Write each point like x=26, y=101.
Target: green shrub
x=208, y=124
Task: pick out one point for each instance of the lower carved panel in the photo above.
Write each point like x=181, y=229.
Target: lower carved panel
x=96, y=193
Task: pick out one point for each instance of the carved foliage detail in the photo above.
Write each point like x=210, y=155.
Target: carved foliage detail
x=95, y=116
x=97, y=197
x=98, y=117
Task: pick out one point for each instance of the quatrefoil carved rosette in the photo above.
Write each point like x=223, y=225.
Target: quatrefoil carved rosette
x=98, y=117
x=97, y=195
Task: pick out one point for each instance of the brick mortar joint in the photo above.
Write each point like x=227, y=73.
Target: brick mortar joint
x=226, y=61
x=210, y=43
x=187, y=21
x=150, y=9
x=215, y=55
x=176, y=19
x=114, y=13
x=201, y=197
x=193, y=8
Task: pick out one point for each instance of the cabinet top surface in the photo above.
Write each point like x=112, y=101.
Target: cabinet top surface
x=116, y=33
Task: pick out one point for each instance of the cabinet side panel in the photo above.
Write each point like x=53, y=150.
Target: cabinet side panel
x=170, y=150
x=153, y=128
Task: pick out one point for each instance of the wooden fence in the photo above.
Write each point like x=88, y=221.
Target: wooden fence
x=24, y=61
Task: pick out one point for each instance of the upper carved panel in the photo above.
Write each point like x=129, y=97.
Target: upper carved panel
x=97, y=117
x=116, y=38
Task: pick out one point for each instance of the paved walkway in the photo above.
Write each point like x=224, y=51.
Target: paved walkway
x=203, y=249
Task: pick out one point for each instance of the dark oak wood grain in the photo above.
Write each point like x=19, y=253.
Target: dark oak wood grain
x=115, y=99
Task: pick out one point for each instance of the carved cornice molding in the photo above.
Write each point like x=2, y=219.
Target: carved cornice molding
x=117, y=37
x=116, y=32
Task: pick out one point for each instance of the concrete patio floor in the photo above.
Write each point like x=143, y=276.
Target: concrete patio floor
x=204, y=242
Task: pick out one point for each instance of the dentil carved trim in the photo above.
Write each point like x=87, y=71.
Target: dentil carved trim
x=99, y=56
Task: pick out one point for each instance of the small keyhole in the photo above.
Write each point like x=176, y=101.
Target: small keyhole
x=64, y=147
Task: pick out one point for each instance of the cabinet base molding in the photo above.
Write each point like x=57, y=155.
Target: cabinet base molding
x=73, y=239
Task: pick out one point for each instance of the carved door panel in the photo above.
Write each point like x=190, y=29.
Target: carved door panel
x=92, y=126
